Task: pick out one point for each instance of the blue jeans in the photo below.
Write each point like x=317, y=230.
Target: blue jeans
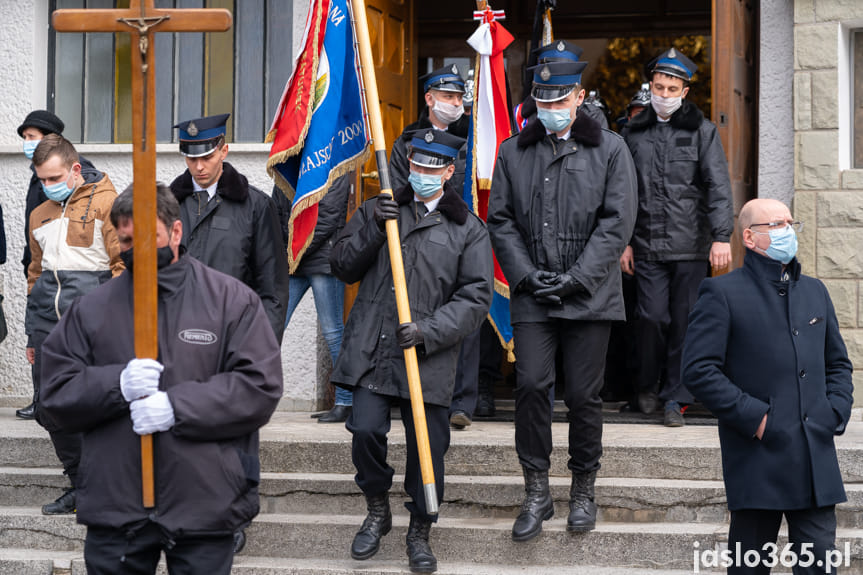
x=329, y=295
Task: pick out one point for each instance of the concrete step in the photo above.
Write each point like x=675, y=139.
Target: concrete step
x=293, y=442
x=454, y=540
x=620, y=499
x=36, y=561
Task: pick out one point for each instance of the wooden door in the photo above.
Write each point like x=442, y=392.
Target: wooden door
x=391, y=31
x=734, y=93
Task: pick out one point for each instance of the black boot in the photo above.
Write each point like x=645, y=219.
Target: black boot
x=537, y=507
x=63, y=505
x=29, y=412
x=582, y=508
x=378, y=523
x=485, y=400
x=420, y=556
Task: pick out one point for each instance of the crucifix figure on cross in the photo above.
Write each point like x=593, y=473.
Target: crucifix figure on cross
x=141, y=20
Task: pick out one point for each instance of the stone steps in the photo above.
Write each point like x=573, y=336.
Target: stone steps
x=645, y=546
x=659, y=492
x=40, y=562
x=620, y=499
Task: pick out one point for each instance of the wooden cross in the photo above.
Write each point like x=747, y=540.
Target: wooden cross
x=141, y=20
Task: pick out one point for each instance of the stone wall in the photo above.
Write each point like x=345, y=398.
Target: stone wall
x=829, y=196
x=23, y=49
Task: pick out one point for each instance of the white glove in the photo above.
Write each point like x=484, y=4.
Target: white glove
x=152, y=414
x=140, y=378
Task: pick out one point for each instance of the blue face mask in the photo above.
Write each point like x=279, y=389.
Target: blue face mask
x=783, y=245
x=554, y=120
x=59, y=191
x=30, y=147
x=424, y=185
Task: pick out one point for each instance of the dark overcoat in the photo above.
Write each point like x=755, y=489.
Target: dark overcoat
x=449, y=275
x=759, y=344
x=223, y=377
x=684, y=192
x=238, y=233
x=563, y=206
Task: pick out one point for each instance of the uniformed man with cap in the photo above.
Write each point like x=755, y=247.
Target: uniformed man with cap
x=561, y=210
x=449, y=275
x=684, y=226
x=229, y=224
x=639, y=101
x=444, y=91
x=564, y=51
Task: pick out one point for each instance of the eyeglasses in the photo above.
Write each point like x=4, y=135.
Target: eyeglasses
x=771, y=226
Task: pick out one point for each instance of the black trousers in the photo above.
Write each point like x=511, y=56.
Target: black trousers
x=753, y=528
x=67, y=445
x=583, y=345
x=466, y=390
x=136, y=552
x=666, y=293
x=369, y=423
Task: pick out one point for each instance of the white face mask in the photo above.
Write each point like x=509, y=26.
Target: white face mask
x=447, y=113
x=665, y=107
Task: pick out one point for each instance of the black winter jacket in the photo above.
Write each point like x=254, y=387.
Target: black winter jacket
x=400, y=167
x=563, y=206
x=449, y=275
x=223, y=376
x=332, y=214
x=759, y=345
x=684, y=193
x=238, y=234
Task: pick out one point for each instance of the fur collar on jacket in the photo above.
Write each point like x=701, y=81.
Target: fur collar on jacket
x=585, y=130
x=688, y=117
x=232, y=185
x=451, y=205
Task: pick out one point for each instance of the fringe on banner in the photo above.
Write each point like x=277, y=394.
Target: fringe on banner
x=508, y=346
x=271, y=135
x=311, y=199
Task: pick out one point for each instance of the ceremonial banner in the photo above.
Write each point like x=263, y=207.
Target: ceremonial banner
x=490, y=125
x=320, y=130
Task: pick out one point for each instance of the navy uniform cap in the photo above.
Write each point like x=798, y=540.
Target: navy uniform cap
x=672, y=63
x=446, y=79
x=434, y=148
x=200, y=136
x=555, y=80
x=641, y=98
x=558, y=51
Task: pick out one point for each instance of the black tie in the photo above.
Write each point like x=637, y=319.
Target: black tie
x=421, y=210
x=203, y=198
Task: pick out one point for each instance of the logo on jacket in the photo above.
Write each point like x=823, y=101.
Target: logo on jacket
x=198, y=336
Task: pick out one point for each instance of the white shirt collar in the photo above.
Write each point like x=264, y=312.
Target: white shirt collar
x=564, y=137
x=211, y=191
x=431, y=205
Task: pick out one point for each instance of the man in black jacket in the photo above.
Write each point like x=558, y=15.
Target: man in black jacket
x=764, y=353
x=444, y=93
x=561, y=210
x=685, y=221
x=449, y=275
x=217, y=380
x=229, y=224
x=314, y=272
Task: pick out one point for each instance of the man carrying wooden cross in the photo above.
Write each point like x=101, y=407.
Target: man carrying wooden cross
x=217, y=380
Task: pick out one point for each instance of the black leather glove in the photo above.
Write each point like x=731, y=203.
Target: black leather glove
x=409, y=335
x=537, y=280
x=563, y=285
x=385, y=209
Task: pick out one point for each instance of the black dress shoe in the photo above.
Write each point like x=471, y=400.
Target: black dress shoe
x=239, y=541
x=337, y=414
x=28, y=412
x=63, y=505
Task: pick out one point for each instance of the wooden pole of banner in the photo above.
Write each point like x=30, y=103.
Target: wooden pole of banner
x=404, y=310
x=141, y=20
